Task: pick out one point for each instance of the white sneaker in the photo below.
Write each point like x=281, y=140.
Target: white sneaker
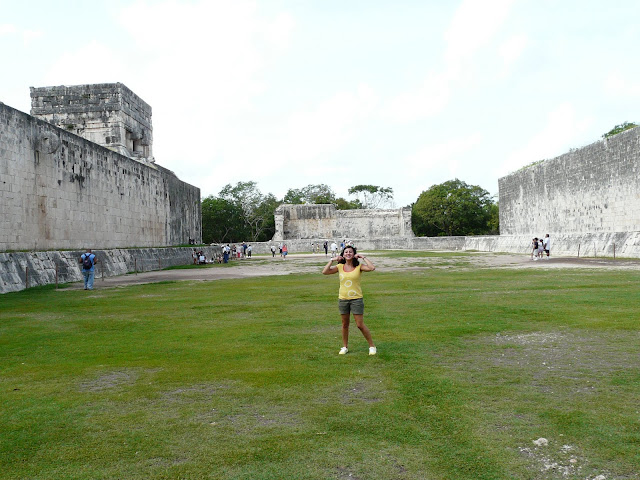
x=343, y=351
x=372, y=350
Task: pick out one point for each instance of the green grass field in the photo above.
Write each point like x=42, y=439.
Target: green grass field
x=240, y=379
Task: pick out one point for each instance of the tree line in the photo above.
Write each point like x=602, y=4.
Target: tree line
x=242, y=212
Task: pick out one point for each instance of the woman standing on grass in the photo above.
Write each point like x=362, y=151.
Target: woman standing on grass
x=350, y=299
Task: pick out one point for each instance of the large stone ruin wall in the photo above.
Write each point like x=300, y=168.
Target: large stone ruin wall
x=326, y=222
x=595, y=189
x=61, y=191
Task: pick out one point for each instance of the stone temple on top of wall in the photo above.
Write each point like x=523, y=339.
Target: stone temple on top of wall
x=108, y=114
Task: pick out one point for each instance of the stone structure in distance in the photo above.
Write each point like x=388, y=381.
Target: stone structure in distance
x=326, y=222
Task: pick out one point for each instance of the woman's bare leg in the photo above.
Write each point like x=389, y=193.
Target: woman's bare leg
x=345, y=329
x=363, y=328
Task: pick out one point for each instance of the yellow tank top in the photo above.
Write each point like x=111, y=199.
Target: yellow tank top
x=349, y=283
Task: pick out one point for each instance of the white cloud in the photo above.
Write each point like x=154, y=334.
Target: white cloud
x=473, y=25
x=617, y=85
x=428, y=100
x=28, y=36
x=278, y=33
x=511, y=50
x=442, y=156
x=304, y=138
x=90, y=63
x=7, y=29
x=563, y=125
x=315, y=133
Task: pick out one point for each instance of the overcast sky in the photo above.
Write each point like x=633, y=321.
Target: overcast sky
x=402, y=94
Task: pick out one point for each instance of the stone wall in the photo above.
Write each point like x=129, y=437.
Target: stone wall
x=326, y=222
x=589, y=190
x=60, y=191
x=19, y=269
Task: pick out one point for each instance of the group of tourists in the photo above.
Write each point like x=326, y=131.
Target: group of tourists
x=540, y=246
x=236, y=251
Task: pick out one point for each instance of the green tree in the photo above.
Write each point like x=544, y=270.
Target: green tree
x=343, y=204
x=222, y=221
x=619, y=129
x=294, y=196
x=372, y=196
x=262, y=221
x=257, y=210
x=452, y=208
x=493, y=223
x=311, y=194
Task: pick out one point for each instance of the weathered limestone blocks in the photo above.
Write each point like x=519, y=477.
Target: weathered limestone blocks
x=326, y=222
x=108, y=114
x=589, y=190
x=40, y=268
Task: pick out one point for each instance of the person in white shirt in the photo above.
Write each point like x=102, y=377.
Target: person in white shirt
x=547, y=244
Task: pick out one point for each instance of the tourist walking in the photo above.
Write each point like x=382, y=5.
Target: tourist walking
x=88, y=261
x=350, y=265
x=284, y=251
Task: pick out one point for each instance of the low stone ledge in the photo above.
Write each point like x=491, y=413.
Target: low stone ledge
x=21, y=269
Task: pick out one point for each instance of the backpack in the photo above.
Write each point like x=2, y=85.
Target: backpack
x=86, y=262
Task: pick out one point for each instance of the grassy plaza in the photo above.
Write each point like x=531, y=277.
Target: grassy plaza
x=240, y=378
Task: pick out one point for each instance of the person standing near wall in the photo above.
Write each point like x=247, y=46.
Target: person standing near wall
x=540, y=248
x=326, y=247
x=547, y=244
x=350, y=299
x=88, y=261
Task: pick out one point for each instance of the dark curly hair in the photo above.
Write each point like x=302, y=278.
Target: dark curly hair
x=354, y=261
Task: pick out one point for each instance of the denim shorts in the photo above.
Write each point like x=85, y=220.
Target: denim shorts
x=355, y=306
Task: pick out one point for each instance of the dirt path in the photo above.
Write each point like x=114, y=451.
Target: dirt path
x=312, y=263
